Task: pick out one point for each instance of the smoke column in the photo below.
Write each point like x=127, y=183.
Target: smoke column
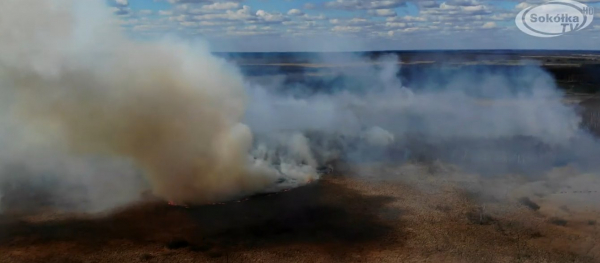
x=77, y=93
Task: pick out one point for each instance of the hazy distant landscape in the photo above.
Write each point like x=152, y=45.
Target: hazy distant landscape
x=418, y=199
x=576, y=71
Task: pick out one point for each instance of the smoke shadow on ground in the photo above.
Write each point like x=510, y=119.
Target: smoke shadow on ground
x=324, y=213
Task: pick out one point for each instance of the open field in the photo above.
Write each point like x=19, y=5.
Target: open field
x=428, y=209
x=338, y=219
x=125, y=138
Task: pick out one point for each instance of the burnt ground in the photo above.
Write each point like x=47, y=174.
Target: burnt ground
x=326, y=217
x=337, y=219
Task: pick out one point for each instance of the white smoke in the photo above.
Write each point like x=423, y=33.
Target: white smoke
x=84, y=105
x=527, y=104
x=378, y=137
x=365, y=109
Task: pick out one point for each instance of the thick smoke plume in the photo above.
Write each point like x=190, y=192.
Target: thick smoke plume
x=508, y=122
x=83, y=104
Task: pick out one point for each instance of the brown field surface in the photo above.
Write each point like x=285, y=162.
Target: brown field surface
x=413, y=213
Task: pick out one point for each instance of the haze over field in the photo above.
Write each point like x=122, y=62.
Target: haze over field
x=119, y=148
x=198, y=132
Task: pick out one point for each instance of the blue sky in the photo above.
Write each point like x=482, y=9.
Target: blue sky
x=343, y=25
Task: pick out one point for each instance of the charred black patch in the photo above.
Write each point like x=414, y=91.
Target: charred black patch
x=558, y=221
x=528, y=203
x=177, y=243
x=536, y=234
x=320, y=213
x=146, y=257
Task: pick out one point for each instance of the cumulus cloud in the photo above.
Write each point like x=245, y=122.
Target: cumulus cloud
x=358, y=4
x=382, y=12
x=222, y=6
x=489, y=25
x=165, y=12
x=270, y=17
x=295, y=12
x=376, y=19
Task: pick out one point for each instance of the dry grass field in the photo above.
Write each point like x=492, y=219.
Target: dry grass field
x=425, y=216
x=369, y=213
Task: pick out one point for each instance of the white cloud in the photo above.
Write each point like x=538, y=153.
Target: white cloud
x=523, y=5
x=179, y=18
x=312, y=18
x=346, y=28
x=295, y=12
x=241, y=14
x=361, y=4
x=189, y=24
x=357, y=21
x=165, y=12
x=221, y=6
x=489, y=25
x=367, y=20
x=382, y=12
x=150, y=27
x=145, y=12
x=395, y=24
x=309, y=6
x=270, y=17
